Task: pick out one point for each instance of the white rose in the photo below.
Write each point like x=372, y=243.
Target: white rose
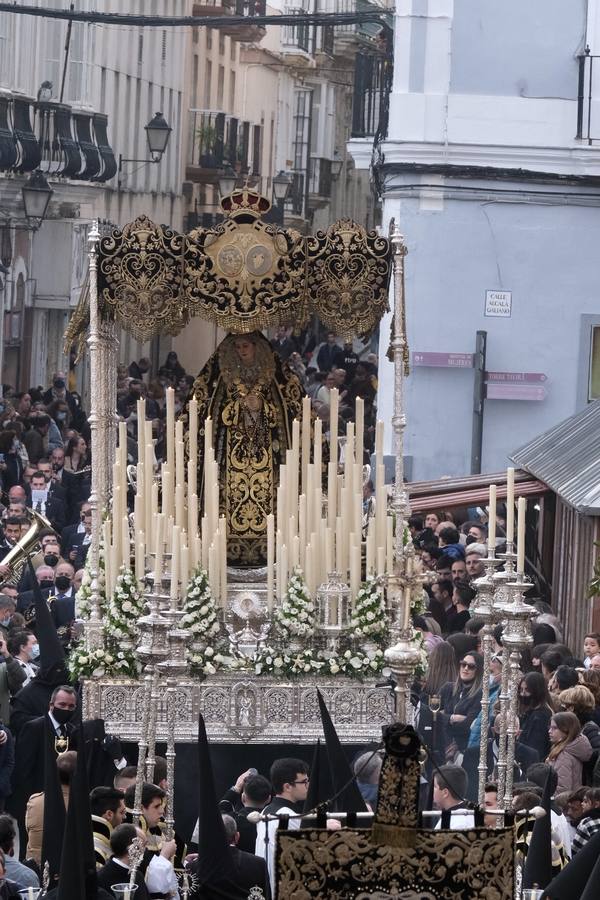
x=334, y=668
x=356, y=663
x=209, y=651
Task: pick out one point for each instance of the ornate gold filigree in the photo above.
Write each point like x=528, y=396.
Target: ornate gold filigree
x=348, y=272
x=244, y=274
x=140, y=277
x=444, y=865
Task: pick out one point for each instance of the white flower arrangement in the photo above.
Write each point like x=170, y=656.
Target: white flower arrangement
x=295, y=616
x=102, y=663
x=85, y=591
x=423, y=664
x=369, y=618
x=200, y=611
x=125, y=607
x=351, y=664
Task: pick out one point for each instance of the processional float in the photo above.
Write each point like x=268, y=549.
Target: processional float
x=246, y=275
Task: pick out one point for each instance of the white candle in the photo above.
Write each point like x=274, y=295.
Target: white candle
x=185, y=568
x=278, y=564
x=167, y=491
x=521, y=510
x=193, y=447
x=123, y=445
x=492, y=521
x=370, y=556
x=305, y=440
x=284, y=568
x=223, y=560
x=140, y=556
x=295, y=560
x=141, y=425
x=339, y=548
x=205, y=543
x=170, y=428
x=107, y=556
x=360, y=430
x=174, y=593
x=180, y=510
x=380, y=505
x=328, y=552
x=317, y=452
x=150, y=485
x=192, y=516
x=334, y=406
x=126, y=543
x=510, y=505
x=158, y=549
x=354, y=567
x=179, y=453
x=302, y=529
x=380, y=561
x=331, y=494
x=270, y=559
x=212, y=569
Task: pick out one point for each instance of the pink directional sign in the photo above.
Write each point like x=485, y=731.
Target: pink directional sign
x=515, y=392
x=443, y=360
x=516, y=377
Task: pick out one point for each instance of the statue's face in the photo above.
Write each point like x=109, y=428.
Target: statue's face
x=245, y=350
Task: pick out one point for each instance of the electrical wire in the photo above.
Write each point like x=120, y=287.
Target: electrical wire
x=374, y=16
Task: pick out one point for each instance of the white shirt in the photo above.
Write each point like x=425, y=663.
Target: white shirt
x=29, y=669
x=161, y=877
x=560, y=824
x=458, y=821
x=267, y=850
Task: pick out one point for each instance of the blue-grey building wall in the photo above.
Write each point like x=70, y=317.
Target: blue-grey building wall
x=547, y=256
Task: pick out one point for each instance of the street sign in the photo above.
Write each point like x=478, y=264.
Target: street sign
x=498, y=304
x=516, y=377
x=443, y=360
x=515, y=392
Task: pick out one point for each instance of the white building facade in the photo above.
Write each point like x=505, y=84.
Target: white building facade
x=75, y=116
x=491, y=169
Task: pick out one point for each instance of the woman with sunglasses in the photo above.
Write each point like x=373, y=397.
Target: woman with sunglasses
x=461, y=703
x=535, y=712
x=569, y=750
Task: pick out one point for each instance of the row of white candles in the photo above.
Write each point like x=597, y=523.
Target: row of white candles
x=304, y=535
x=172, y=524
x=510, y=520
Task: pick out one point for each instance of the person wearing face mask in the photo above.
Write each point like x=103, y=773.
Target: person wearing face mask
x=535, y=712
x=59, y=393
x=12, y=676
x=24, y=648
x=11, y=464
x=62, y=604
x=44, y=575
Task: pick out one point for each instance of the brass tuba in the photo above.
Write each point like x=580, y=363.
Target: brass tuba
x=29, y=544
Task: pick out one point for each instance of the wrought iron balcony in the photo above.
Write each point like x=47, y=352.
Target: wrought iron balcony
x=56, y=139
x=372, y=87
x=216, y=140
x=297, y=40
x=351, y=37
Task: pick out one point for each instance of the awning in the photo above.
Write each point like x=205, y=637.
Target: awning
x=472, y=490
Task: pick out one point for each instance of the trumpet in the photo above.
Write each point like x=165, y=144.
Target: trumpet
x=29, y=544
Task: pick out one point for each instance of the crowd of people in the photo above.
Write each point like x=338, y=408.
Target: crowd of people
x=558, y=712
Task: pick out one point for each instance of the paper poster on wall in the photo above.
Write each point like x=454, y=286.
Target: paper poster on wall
x=498, y=304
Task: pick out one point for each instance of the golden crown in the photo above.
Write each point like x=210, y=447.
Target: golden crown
x=245, y=201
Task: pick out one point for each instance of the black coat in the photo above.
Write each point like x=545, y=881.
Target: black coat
x=245, y=872
x=534, y=730
x=112, y=873
x=461, y=704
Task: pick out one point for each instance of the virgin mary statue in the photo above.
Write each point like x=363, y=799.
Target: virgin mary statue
x=251, y=398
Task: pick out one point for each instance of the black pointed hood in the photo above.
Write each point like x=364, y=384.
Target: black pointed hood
x=318, y=784
x=538, y=863
x=55, y=815
x=215, y=860
x=78, y=862
x=592, y=888
x=350, y=799
x=572, y=881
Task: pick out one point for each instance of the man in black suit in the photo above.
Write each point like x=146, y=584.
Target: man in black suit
x=116, y=870
x=62, y=604
x=245, y=871
x=73, y=534
x=47, y=503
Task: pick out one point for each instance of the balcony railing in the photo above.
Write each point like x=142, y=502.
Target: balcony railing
x=217, y=139
x=372, y=87
x=54, y=138
x=296, y=37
